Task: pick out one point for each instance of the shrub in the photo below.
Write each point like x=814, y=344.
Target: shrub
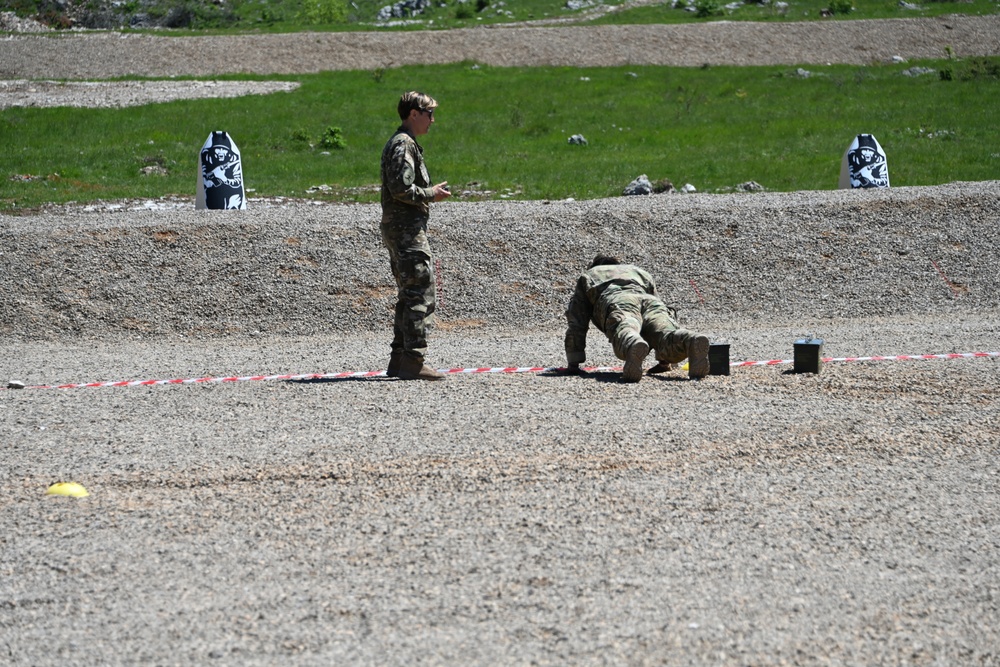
x=323, y=12
x=841, y=6
x=193, y=14
x=707, y=8
x=976, y=69
x=270, y=15
x=333, y=137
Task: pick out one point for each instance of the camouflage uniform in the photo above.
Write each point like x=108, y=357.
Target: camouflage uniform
x=406, y=197
x=621, y=301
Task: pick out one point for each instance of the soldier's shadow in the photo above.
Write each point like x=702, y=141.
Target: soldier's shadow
x=611, y=377
x=373, y=378
x=599, y=376
x=667, y=378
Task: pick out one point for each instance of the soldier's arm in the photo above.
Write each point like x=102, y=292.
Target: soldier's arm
x=401, y=175
x=577, y=322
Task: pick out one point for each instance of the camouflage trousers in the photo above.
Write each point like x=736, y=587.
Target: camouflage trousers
x=631, y=316
x=410, y=259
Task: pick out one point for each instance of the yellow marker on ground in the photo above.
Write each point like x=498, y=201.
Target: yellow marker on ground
x=71, y=489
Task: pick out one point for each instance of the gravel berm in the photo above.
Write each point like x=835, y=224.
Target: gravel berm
x=850, y=517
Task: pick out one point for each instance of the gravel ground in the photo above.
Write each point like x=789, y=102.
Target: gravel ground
x=25, y=93
x=849, y=517
x=761, y=518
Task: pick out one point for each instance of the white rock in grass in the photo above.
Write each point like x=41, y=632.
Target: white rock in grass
x=639, y=186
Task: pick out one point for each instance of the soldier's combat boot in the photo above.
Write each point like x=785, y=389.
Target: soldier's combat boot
x=395, y=357
x=414, y=368
x=660, y=367
x=697, y=349
x=633, y=361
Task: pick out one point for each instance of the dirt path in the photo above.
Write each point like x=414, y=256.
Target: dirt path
x=105, y=55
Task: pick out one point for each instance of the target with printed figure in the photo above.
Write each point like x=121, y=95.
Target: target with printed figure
x=864, y=164
x=220, y=174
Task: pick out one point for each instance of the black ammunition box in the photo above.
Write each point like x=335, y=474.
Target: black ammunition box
x=718, y=358
x=808, y=355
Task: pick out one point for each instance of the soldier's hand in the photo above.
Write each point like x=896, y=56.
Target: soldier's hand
x=441, y=191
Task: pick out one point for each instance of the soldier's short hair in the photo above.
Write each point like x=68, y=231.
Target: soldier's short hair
x=604, y=259
x=414, y=100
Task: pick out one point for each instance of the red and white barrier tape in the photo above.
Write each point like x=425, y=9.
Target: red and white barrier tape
x=467, y=371
x=898, y=357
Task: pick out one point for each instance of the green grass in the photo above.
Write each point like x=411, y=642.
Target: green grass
x=712, y=127
x=233, y=16
x=801, y=10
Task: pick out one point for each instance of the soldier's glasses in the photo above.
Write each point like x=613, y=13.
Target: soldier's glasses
x=429, y=112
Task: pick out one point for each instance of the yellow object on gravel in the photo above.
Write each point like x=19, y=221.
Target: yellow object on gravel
x=71, y=489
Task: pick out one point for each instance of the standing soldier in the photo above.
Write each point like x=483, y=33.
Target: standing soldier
x=620, y=299
x=406, y=196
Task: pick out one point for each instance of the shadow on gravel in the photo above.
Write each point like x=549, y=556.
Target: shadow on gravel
x=792, y=371
x=668, y=378
x=614, y=377
x=375, y=378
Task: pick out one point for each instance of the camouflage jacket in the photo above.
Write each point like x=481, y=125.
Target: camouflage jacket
x=596, y=290
x=406, y=186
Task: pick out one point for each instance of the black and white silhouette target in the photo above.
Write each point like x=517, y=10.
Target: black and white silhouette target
x=865, y=164
x=220, y=174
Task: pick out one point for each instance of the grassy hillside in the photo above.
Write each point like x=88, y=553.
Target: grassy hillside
x=712, y=127
x=495, y=136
